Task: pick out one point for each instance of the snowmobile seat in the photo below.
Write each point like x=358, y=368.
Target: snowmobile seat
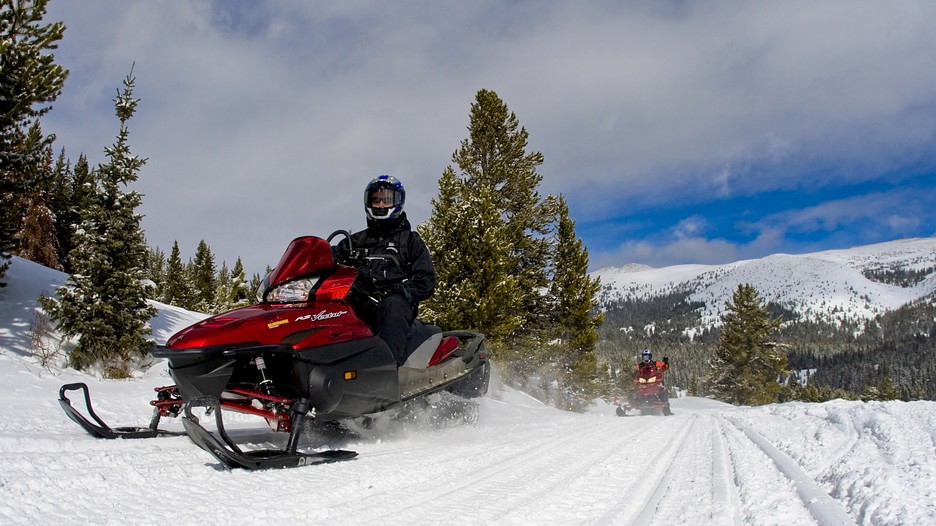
x=421, y=343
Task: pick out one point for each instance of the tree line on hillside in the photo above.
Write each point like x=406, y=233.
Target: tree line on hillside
x=888, y=357
x=894, y=354
x=199, y=284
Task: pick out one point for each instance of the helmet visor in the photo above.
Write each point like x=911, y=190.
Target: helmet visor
x=383, y=198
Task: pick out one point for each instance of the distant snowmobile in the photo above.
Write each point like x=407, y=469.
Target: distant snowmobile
x=300, y=353
x=648, y=396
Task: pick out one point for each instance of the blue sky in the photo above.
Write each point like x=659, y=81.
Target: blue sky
x=678, y=132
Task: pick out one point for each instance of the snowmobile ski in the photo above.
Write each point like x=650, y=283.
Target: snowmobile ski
x=229, y=454
x=102, y=430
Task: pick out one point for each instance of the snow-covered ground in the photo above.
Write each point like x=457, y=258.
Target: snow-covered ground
x=522, y=463
x=827, y=285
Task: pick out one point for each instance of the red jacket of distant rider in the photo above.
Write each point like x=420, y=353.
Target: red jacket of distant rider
x=660, y=367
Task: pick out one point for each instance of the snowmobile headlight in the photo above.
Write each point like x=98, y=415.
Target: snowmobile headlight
x=292, y=291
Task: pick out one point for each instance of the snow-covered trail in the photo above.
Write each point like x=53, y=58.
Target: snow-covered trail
x=521, y=463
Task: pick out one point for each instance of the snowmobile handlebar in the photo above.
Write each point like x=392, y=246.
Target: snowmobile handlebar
x=374, y=291
x=354, y=255
x=344, y=233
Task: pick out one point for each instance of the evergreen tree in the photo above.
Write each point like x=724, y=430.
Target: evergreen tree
x=441, y=235
x=491, y=236
x=239, y=287
x=30, y=81
x=36, y=232
x=491, y=210
x=155, y=271
x=494, y=158
x=573, y=293
x=253, y=289
x=104, y=303
x=232, y=287
x=202, y=272
x=474, y=288
x=178, y=290
x=747, y=364
x=223, y=288
x=75, y=191
x=60, y=204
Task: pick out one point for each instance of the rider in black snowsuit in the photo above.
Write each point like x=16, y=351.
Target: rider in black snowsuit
x=395, y=270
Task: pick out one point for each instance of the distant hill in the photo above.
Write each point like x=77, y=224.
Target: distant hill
x=835, y=286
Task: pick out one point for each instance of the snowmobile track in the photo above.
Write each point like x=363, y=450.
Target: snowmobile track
x=510, y=465
x=661, y=480
x=826, y=510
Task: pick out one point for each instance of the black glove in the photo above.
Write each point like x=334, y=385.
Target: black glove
x=666, y=360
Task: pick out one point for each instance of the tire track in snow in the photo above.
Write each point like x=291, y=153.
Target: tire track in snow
x=824, y=509
x=487, y=461
x=660, y=478
x=701, y=460
x=546, y=469
x=726, y=502
x=852, y=432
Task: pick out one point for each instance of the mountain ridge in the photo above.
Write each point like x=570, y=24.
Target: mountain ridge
x=836, y=286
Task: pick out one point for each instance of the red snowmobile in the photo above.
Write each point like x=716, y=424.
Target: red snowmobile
x=648, y=396
x=299, y=354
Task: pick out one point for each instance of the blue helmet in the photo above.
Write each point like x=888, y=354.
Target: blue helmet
x=647, y=356
x=383, y=198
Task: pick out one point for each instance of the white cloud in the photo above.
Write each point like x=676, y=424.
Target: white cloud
x=885, y=212
x=690, y=227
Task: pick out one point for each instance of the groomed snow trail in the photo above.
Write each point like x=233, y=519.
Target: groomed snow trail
x=521, y=463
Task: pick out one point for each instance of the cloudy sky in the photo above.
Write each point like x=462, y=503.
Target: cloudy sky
x=679, y=132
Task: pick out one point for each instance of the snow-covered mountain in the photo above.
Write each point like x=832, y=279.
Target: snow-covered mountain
x=854, y=284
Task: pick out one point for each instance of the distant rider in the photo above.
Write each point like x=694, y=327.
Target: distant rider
x=655, y=368
x=647, y=359
x=396, y=272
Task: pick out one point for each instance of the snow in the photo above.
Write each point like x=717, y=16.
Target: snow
x=827, y=285
x=839, y=462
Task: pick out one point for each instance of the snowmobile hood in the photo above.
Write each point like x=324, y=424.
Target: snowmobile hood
x=298, y=325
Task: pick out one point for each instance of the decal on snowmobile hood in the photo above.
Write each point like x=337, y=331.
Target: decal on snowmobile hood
x=324, y=315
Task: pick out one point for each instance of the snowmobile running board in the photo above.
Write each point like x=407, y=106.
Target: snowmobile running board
x=102, y=430
x=227, y=452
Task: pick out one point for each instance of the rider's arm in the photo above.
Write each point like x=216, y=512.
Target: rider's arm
x=421, y=283
x=340, y=252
